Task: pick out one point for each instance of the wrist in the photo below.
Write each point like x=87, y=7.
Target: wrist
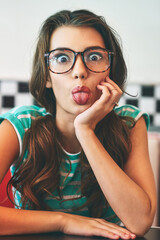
x=60, y=221
x=83, y=131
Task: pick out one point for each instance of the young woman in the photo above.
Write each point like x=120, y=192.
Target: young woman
x=80, y=164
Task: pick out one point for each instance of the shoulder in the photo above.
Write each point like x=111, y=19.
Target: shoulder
x=133, y=112
x=22, y=117
x=24, y=112
x=31, y=110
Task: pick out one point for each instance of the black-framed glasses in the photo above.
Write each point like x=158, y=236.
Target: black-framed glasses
x=62, y=60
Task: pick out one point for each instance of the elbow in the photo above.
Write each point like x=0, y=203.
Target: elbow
x=140, y=229
x=144, y=221
x=141, y=226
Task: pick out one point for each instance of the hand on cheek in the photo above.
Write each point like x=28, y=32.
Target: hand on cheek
x=109, y=95
x=110, y=91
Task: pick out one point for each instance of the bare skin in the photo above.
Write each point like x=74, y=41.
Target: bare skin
x=134, y=187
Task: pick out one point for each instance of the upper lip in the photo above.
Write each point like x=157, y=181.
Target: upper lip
x=80, y=89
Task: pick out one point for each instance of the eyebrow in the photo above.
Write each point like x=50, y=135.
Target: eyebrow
x=60, y=48
x=96, y=46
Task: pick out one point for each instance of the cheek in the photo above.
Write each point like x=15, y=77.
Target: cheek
x=98, y=94
x=102, y=77
x=56, y=82
x=60, y=90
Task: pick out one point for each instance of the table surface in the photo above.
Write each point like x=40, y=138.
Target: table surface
x=153, y=234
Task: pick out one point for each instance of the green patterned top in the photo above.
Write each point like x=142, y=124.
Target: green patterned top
x=21, y=119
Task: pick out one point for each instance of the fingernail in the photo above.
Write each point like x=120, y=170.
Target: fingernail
x=115, y=236
x=126, y=235
x=133, y=235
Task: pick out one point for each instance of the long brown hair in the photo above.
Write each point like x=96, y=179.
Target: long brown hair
x=38, y=176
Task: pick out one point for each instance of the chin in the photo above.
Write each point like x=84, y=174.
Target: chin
x=81, y=108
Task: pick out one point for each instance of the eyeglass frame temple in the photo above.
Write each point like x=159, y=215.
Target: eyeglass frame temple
x=46, y=55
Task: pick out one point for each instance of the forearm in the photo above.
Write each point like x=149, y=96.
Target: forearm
x=16, y=221
x=127, y=199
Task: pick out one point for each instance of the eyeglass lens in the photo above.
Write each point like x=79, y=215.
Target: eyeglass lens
x=62, y=60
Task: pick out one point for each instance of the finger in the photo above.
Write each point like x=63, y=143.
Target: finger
x=105, y=233
x=115, y=226
x=108, y=98
x=123, y=232
x=112, y=89
x=116, y=231
x=112, y=233
x=115, y=104
x=113, y=97
x=105, y=92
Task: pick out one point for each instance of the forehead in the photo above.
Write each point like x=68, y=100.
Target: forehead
x=76, y=38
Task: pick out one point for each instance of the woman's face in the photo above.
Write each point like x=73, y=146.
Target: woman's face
x=76, y=90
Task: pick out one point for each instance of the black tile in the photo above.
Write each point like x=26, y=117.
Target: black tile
x=158, y=106
x=23, y=87
x=148, y=91
x=133, y=102
x=8, y=101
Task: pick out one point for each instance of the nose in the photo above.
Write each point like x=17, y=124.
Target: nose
x=79, y=70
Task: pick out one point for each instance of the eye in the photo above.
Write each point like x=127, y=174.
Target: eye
x=59, y=57
x=62, y=58
x=94, y=57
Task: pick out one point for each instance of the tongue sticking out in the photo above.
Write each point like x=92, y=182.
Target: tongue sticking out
x=81, y=98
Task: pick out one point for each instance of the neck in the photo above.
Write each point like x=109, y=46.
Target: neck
x=68, y=137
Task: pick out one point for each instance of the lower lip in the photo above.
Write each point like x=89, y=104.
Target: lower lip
x=81, y=98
